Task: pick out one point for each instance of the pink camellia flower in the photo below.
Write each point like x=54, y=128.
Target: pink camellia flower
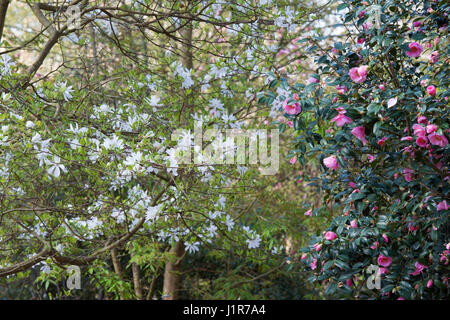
x=429, y=283
x=360, y=40
x=290, y=124
x=423, y=83
x=330, y=235
x=381, y=87
x=385, y=238
x=352, y=184
x=313, y=80
x=408, y=174
x=292, y=109
x=422, y=120
x=371, y=158
x=442, y=206
x=384, y=261
x=422, y=141
x=349, y=282
x=308, y=213
x=317, y=246
x=341, y=119
x=358, y=74
x=359, y=133
x=419, y=130
x=434, y=56
x=331, y=162
x=361, y=13
x=419, y=268
x=334, y=50
x=400, y=298
x=341, y=89
x=353, y=224
x=313, y=264
x=367, y=25
x=407, y=138
x=438, y=140
x=412, y=227
x=431, y=128
x=293, y=160
x=415, y=50
x=382, y=141
x=431, y=90
x=375, y=245
x=417, y=24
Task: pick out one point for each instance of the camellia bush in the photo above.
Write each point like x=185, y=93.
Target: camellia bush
x=375, y=114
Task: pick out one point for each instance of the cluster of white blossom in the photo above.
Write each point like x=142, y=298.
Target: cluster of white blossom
x=287, y=20
x=6, y=65
x=183, y=73
x=65, y=90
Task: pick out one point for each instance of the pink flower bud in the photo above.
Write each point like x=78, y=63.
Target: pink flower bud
x=431, y=90
x=330, y=235
x=422, y=120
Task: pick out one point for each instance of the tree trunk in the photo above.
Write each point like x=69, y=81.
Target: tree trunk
x=136, y=281
x=173, y=267
x=172, y=272
x=117, y=266
x=3, y=9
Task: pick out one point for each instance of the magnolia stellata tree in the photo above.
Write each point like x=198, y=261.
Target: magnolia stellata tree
x=90, y=101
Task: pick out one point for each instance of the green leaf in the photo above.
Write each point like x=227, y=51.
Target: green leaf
x=342, y=6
